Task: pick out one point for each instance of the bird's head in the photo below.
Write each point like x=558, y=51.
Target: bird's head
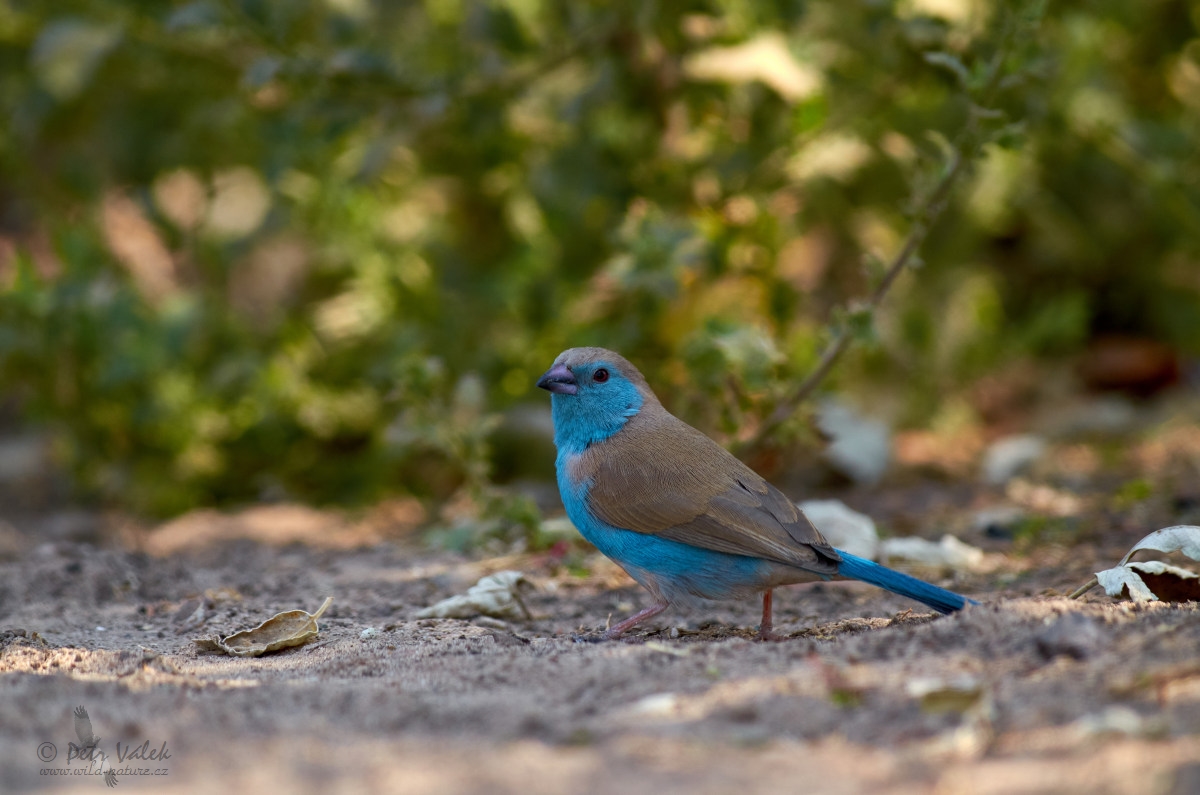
x=594, y=392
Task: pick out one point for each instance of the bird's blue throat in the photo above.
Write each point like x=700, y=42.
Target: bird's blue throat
x=592, y=415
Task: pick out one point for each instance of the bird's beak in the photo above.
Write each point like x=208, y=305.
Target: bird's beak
x=560, y=380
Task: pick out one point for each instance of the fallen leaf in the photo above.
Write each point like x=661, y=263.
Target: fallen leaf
x=1183, y=538
x=1123, y=581
x=280, y=631
x=497, y=595
x=1153, y=580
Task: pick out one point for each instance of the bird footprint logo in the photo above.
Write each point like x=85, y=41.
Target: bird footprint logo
x=87, y=747
x=87, y=738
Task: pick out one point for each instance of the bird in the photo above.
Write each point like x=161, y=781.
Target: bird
x=679, y=513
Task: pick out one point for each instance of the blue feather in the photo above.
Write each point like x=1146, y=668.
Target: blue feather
x=939, y=599
x=678, y=572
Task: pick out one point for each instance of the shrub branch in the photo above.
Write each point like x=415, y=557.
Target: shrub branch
x=965, y=150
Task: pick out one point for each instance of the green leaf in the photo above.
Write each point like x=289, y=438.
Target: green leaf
x=950, y=63
x=67, y=53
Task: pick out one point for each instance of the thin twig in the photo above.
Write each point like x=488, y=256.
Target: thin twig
x=1089, y=585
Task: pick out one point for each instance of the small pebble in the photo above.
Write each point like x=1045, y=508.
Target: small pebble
x=1074, y=634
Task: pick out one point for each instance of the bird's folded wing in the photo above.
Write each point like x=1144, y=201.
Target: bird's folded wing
x=676, y=483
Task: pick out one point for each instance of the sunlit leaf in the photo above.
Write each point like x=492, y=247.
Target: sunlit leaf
x=1178, y=538
x=1154, y=580
x=280, y=631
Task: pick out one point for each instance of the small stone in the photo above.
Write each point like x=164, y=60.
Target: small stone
x=1106, y=415
x=859, y=447
x=369, y=633
x=949, y=553
x=998, y=521
x=843, y=527
x=22, y=456
x=1187, y=779
x=1075, y=635
x=1121, y=720
x=1008, y=457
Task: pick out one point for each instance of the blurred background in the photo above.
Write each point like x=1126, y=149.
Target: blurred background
x=257, y=251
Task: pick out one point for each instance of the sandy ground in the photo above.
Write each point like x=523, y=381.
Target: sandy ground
x=1028, y=693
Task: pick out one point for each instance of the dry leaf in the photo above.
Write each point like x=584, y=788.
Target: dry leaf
x=280, y=631
x=1183, y=538
x=496, y=595
x=1153, y=580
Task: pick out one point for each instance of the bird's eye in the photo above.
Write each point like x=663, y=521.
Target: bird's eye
x=600, y=376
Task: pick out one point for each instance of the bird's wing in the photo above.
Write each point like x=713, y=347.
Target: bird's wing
x=662, y=477
x=83, y=726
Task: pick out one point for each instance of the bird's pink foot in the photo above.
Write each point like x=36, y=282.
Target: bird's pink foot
x=617, y=630
x=764, y=629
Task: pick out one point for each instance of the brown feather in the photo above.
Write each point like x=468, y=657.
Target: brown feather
x=659, y=475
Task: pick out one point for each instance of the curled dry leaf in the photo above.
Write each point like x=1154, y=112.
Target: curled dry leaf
x=1183, y=538
x=280, y=631
x=497, y=595
x=1152, y=581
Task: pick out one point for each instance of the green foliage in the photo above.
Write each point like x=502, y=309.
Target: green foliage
x=256, y=249
x=496, y=522
x=1131, y=493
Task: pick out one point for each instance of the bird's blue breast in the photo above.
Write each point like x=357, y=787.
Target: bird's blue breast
x=675, y=571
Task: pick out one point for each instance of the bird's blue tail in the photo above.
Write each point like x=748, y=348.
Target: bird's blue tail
x=939, y=599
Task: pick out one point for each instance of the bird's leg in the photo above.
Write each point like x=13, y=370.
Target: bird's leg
x=764, y=629
x=618, y=630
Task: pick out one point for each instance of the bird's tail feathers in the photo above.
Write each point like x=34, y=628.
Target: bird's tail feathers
x=939, y=599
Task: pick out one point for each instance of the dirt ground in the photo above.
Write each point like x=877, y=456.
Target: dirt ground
x=1029, y=692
